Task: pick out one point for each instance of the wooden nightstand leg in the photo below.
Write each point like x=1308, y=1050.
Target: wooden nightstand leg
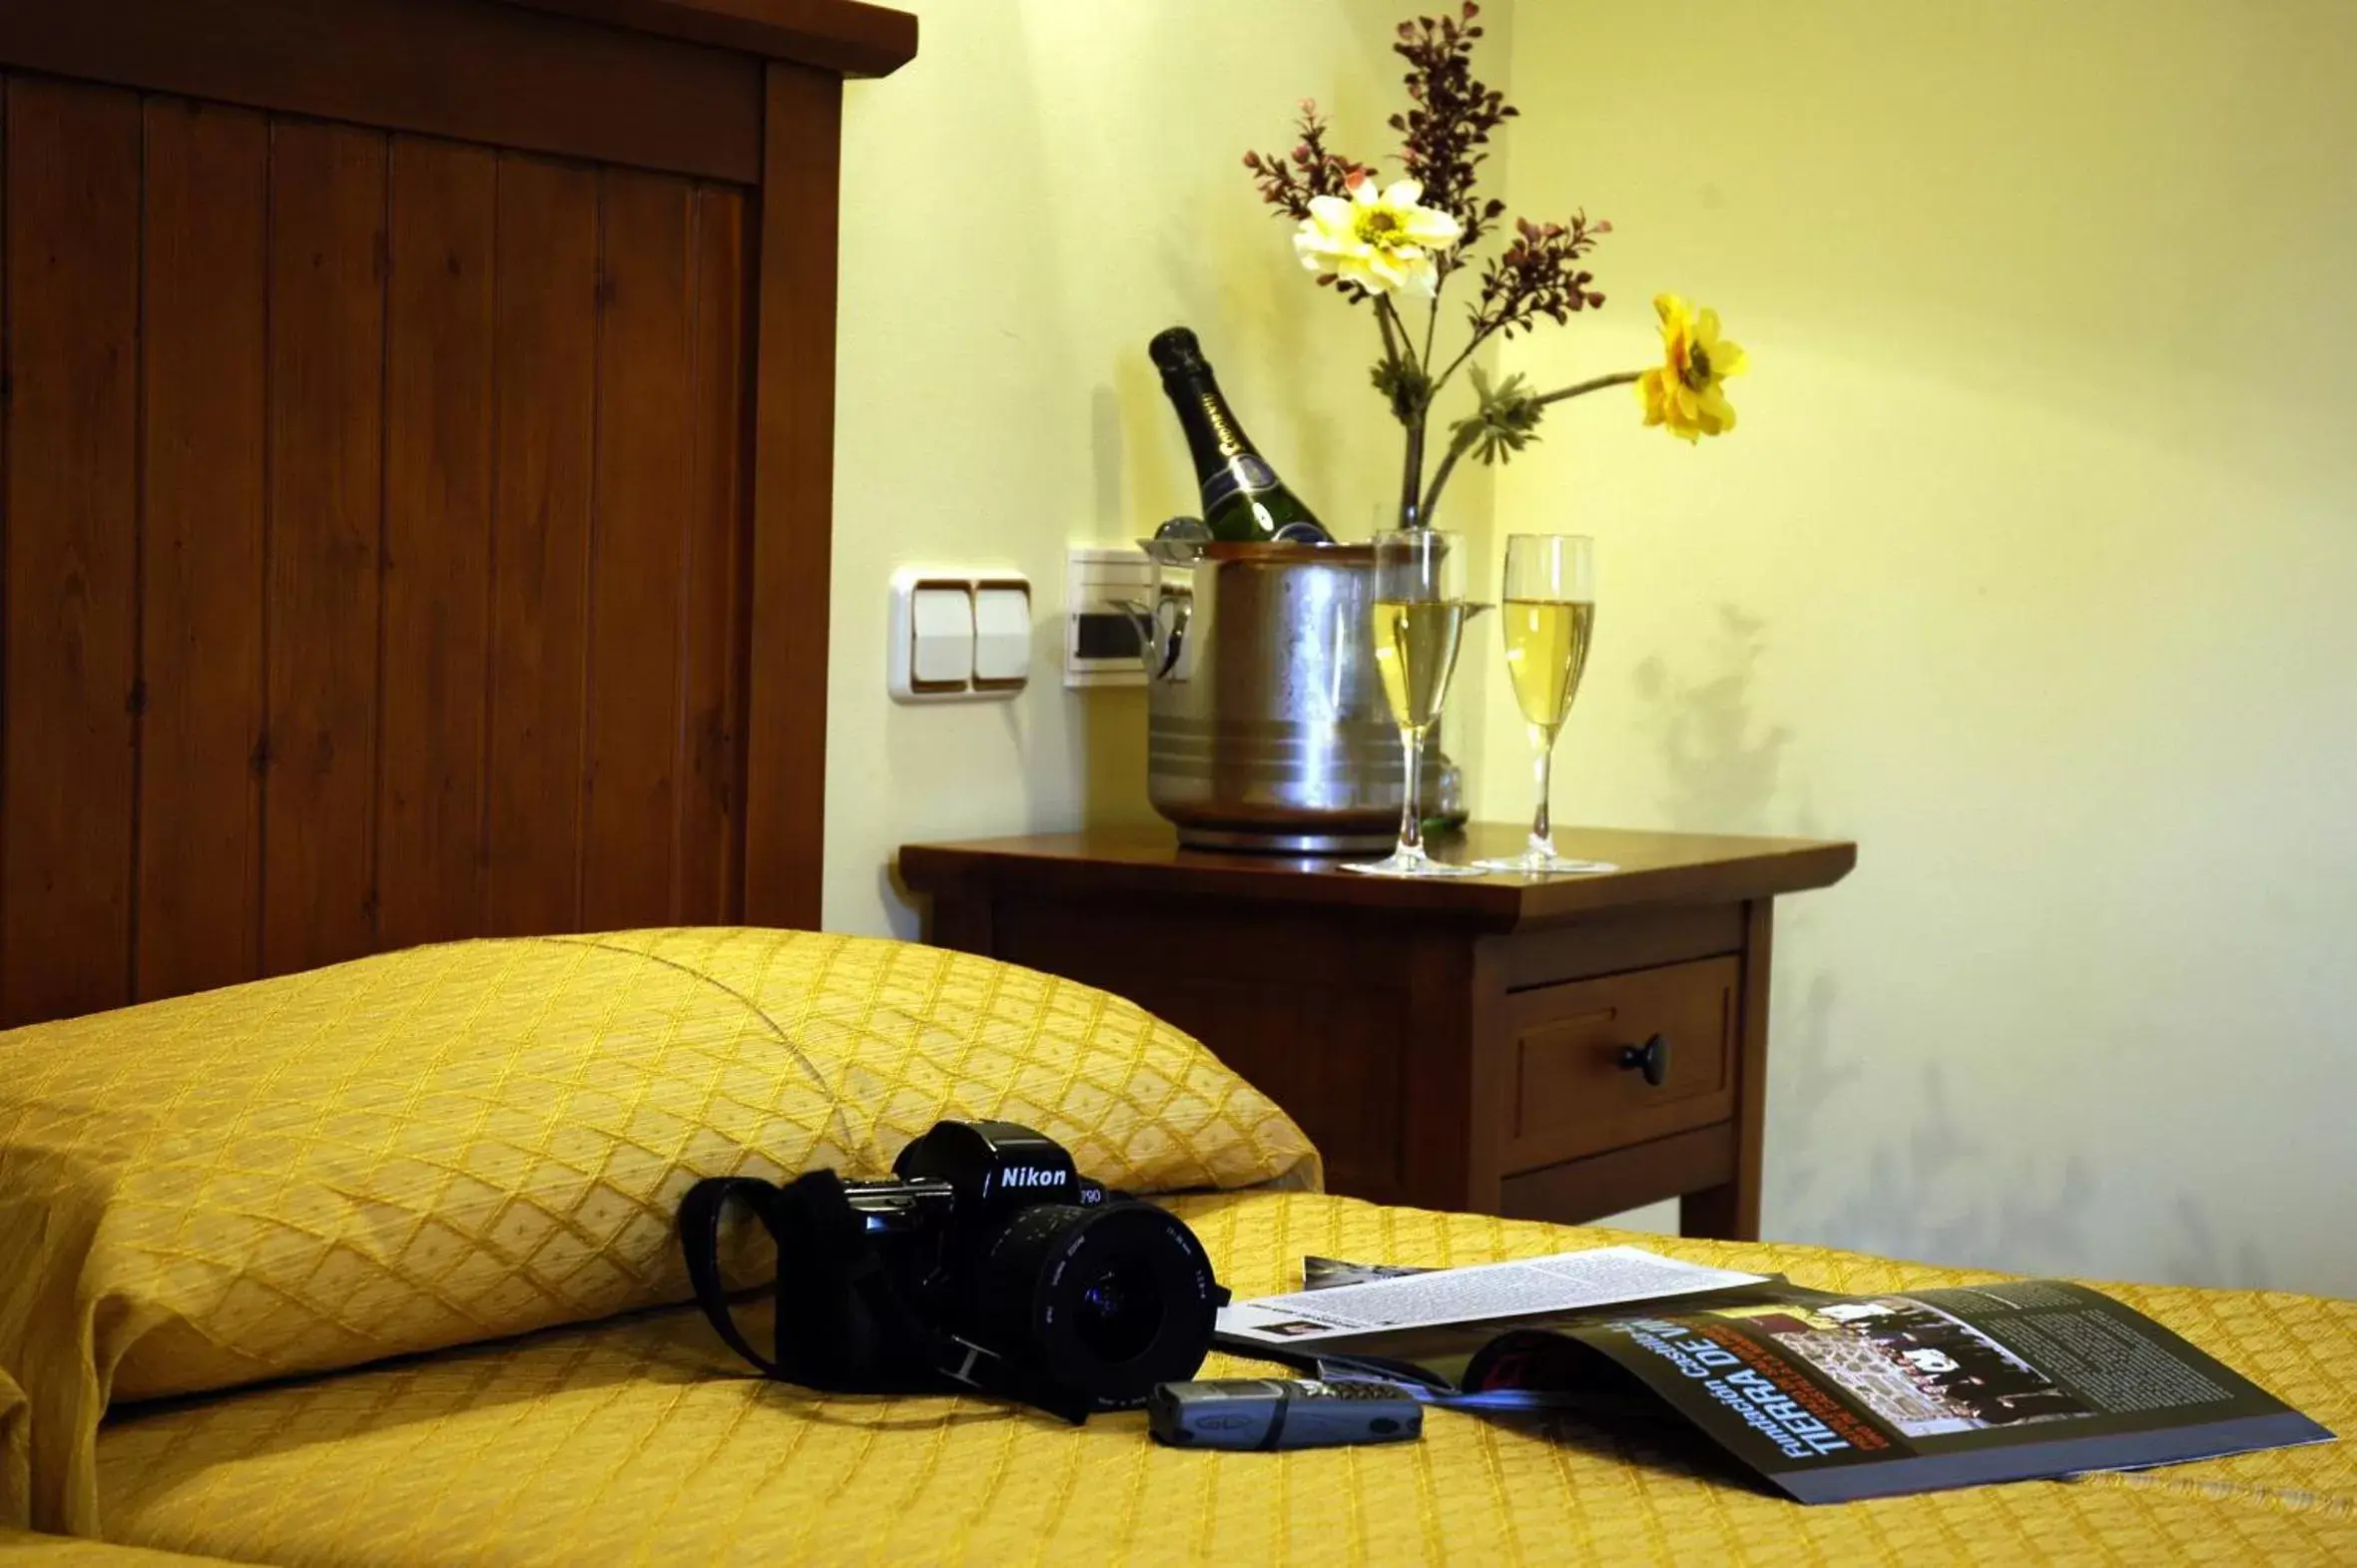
x=1731, y=1210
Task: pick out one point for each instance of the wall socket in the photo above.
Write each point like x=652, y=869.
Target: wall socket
x=1102, y=645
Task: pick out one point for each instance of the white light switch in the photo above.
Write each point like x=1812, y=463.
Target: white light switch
x=943, y=627
x=932, y=636
x=1002, y=633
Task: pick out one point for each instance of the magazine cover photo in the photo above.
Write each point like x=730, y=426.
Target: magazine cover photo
x=1920, y=1369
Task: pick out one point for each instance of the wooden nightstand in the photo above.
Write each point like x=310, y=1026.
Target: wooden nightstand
x=1557, y=1050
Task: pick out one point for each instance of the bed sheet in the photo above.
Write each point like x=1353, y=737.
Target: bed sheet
x=638, y=1440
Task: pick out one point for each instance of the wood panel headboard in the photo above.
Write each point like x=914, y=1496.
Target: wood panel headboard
x=414, y=474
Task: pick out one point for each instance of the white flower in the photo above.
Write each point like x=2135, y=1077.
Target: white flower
x=1380, y=241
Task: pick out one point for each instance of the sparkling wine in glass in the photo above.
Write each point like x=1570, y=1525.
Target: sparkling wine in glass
x=1420, y=611
x=1548, y=614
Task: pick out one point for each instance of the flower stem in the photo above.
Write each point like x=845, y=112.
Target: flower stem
x=1463, y=355
x=1398, y=342
x=1598, y=384
x=1463, y=440
x=1457, y=449
x=1412, y=512
x=1396, y=338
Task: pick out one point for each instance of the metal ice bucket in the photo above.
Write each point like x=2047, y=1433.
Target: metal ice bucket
x=1267, y=726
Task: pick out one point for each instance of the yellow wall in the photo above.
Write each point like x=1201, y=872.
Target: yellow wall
x=2028, y=568
x=2023, y=569
x=1047, y=185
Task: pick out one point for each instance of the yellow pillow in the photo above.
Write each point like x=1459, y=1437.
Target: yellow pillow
x=454, y=1143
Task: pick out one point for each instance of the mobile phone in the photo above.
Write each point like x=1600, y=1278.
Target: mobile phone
x=1271, y=1412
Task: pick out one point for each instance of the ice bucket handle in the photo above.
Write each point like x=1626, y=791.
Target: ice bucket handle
x=1159, y=644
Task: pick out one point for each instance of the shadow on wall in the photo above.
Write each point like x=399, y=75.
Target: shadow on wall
x=1108, y=735
x=1857, y=1163
x=1853, y=1160
x=1800, y=1179
x=1722, y=776
x=1834, y=1174
x=2205, y=1256
x=1857, y=1157
x=1924, y=1192
x=1112, y=736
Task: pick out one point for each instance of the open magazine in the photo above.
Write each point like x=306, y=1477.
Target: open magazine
x=1828, y=1397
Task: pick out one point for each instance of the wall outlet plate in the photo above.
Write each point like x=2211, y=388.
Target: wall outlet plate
x=1102, y=645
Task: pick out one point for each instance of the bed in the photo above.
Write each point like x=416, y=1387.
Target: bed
x=372, y=1263
x=412, y=639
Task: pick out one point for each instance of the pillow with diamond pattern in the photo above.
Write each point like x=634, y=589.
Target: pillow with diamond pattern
x=454, y=1143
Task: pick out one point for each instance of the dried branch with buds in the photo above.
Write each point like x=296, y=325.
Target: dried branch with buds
x=1382, y=244
x=1538, y=273
x=1447, y=127
x=1286, y=181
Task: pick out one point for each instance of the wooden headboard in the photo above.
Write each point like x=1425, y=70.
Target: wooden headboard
x=415, y=477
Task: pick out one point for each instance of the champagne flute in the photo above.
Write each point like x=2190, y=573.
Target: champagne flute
x=1548, y=613
x=1418, y=622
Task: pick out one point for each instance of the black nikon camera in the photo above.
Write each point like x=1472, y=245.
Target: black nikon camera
x=990, y=1264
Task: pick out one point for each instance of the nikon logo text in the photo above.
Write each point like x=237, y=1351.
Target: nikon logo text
x=1026, y=1176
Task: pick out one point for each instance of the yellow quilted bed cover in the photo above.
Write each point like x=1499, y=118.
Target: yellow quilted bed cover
x=642, y=1442
x=26, y=1549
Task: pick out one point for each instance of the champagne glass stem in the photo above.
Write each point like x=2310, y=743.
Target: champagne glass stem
x=1411, y=819
x=1542, y=827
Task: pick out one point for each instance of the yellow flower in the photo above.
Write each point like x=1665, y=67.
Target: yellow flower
x=1684, y=391
x=1380, y=240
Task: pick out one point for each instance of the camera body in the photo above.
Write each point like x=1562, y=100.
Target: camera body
x=988, y=1261
x=962, y=1179
x=994, y=1234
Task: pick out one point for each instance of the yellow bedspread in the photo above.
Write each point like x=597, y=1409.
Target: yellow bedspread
x=638, y=1441
x=26, y=1549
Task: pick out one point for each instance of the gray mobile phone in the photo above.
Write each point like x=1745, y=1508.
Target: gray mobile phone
x=1271, y=1412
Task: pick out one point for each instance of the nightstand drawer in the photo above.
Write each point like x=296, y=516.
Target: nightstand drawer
x=1607, y=1063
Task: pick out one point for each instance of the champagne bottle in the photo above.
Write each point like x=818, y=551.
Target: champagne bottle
x=1243, y=499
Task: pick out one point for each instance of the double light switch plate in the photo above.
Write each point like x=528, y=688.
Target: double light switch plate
x=958, y=634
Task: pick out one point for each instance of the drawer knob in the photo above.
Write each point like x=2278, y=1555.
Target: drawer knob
x=1651, y=1059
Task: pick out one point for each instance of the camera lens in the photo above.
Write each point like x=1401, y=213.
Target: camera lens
x=1119, y=1314
x=1111, y=1299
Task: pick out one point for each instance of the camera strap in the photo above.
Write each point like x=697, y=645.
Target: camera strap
x=699, y=1238
x=843, y=1328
